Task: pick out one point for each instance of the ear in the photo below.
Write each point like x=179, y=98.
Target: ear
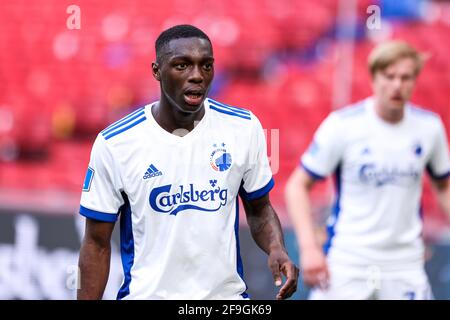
x=155, y=71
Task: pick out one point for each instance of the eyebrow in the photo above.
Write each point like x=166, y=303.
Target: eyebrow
x=186, y=57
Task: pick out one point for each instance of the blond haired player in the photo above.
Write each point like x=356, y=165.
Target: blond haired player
x=378, y=149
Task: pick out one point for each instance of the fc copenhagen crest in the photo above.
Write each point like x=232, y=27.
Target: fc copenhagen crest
x=220, y=159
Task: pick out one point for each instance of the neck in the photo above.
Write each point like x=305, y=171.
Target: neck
x=391, y=115
x=171, y=118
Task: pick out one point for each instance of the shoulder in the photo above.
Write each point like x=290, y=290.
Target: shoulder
x=345, y=118
x=422, y=113
x=228, y=112
x=428, y=120
x=350, y=117
x=234, y=120
x=352, y=111
x=124, y=127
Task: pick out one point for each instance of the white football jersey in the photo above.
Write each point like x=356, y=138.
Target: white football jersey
x=177, y=200
x=376, y=219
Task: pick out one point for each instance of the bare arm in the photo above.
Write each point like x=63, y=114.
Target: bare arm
x=94, y=260
x=313, y=263
x=267, y=233
x=442, y=188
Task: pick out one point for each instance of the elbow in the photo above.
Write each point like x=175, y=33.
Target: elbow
x=97, y=243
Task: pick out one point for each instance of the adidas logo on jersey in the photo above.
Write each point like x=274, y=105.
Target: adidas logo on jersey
x=152, y=172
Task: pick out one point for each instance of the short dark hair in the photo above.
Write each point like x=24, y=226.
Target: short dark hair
x=178, y=32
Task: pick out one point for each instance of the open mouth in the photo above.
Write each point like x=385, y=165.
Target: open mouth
x=397, y=98
x=193, y=97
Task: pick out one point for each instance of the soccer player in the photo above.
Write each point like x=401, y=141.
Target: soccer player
x=378, y=150
x=171, y=172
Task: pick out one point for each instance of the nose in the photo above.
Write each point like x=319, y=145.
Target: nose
x=397, y=82
x=196, y=75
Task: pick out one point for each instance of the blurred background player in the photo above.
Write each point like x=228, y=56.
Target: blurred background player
x=171, y=172
x=378, y=150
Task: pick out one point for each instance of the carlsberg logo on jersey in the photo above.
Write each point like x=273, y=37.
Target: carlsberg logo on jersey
x=165, y=200
x=380, y=176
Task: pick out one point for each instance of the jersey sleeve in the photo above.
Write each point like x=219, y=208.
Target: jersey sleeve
x=101, y=197
x=257, y=180
x=325, y=151
x=439, y=163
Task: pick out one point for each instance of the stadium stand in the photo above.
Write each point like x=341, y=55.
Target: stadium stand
x=59, y=87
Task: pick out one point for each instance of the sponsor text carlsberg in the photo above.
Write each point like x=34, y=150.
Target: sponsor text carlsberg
x=165, y=200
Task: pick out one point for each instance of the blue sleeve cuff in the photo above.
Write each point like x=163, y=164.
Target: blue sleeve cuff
x=314, y=175
x=437, y=176
x=258, y=193
x=96, y=215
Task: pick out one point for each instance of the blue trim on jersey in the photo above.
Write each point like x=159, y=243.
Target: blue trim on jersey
x=437, y=176
x=123, y=119
x=97, y=215
x=239, y=264
x=421, y=209
x=104, y=133
x=230, y=108
x=229, y=112
x=258, y=193
x=126, y=246
x=125, y=128
x=314, y=175
x=336, y=210
x=88, y=179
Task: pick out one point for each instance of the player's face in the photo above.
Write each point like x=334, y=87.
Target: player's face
x=186, y=73
x=394, y=85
